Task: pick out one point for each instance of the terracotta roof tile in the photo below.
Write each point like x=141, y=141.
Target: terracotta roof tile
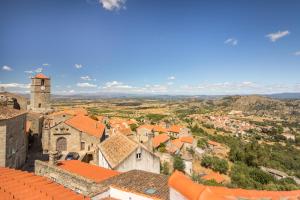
x=89, y=171
x=117, y=148
x=87, y=125
x=15, y=184
x=161, y=138
x=175, y=128
x=42, y=76
x=6, y=112
x=188, y=139
x=138, y=182
x=213, y=143
x=194, y=191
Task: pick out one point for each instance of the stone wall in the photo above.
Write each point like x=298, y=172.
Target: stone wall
x=72, y=181
x=13, y=141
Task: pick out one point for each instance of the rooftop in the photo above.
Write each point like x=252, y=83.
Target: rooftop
x=87, y=125
x=161, y=138
x=187, y=139
x=117, y=148
x=15, y=184
x=41, y=76
x=7, y=113
x=141, y=182
x=194, y=191
x=86, y=170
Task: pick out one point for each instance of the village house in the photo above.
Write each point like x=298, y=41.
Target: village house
x=66, y=133
x=101, y=183
x=161, y=139
x=143, y=133
x=120, y=153
x=13, y=137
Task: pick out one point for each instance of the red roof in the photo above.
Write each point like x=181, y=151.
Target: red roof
x=194, y=191
x=188, y=139
x=87, y=125
x=161, y=138
x=42, y=76
x=213, y=143
x=89, y=171
x=175, y=128
x=15, y=184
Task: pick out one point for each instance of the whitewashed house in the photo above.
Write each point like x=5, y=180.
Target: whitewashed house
x=120, y=153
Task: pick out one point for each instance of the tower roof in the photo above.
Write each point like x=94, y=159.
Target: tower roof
x=40, y=75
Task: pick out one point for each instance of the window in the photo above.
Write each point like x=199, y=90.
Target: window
x=82, y=145
x=40, y=105
x=138, y=155
x=42, y=82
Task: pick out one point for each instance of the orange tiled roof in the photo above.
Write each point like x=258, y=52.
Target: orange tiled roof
x=87, y=125
x=15, y=184
x=175, y=128
x=146, y=126
x=214, y=176
x=213, y=143
x=188, y=139
x=125, y=131
x=194, y=191
x=89, y=171
x=158, y=128
x=177, y=143
x=161, y=138
x=41, y=76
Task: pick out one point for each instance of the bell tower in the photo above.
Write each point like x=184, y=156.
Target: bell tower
x=40, y=93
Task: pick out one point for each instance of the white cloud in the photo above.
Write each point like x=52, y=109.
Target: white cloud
x=231, y=41
x=116, y=85
x=171, y=78
x=297, y=53
x=113, y=4
x=6, y=68
x=78, y=66
x=275, y=36
x=86, y=78
x=38, y=70
x=15, y=85
x=86, y=85
x=45, y=64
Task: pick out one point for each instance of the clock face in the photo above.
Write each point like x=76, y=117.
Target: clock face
x=42, y=87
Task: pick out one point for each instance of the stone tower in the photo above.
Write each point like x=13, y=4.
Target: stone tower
x=40, y=93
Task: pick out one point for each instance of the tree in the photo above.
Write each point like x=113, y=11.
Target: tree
x=220, y=165
x=165, y=168
x=178, y=164
x=133, y=127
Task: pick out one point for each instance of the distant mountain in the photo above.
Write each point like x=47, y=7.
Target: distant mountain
x=285, y=96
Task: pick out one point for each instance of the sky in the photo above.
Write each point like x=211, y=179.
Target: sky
x=151, y=46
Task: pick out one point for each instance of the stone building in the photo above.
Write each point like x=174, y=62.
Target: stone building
x=67, y=133
x=120, y=153
x=40, y=93
x=99, y=183
x=13, y=138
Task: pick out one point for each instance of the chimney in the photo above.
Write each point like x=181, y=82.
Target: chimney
x=53, y=157
x=150, y=141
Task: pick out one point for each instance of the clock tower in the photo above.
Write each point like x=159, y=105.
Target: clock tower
x=40, y=93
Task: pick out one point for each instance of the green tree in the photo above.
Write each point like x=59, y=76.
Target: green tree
x=178, y=164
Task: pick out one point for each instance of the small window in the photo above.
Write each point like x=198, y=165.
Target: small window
x=82, y=145
x=138, y=155
x=40, y=105
x=42, y=82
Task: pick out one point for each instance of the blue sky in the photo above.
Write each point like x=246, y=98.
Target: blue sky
x=152, y=46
